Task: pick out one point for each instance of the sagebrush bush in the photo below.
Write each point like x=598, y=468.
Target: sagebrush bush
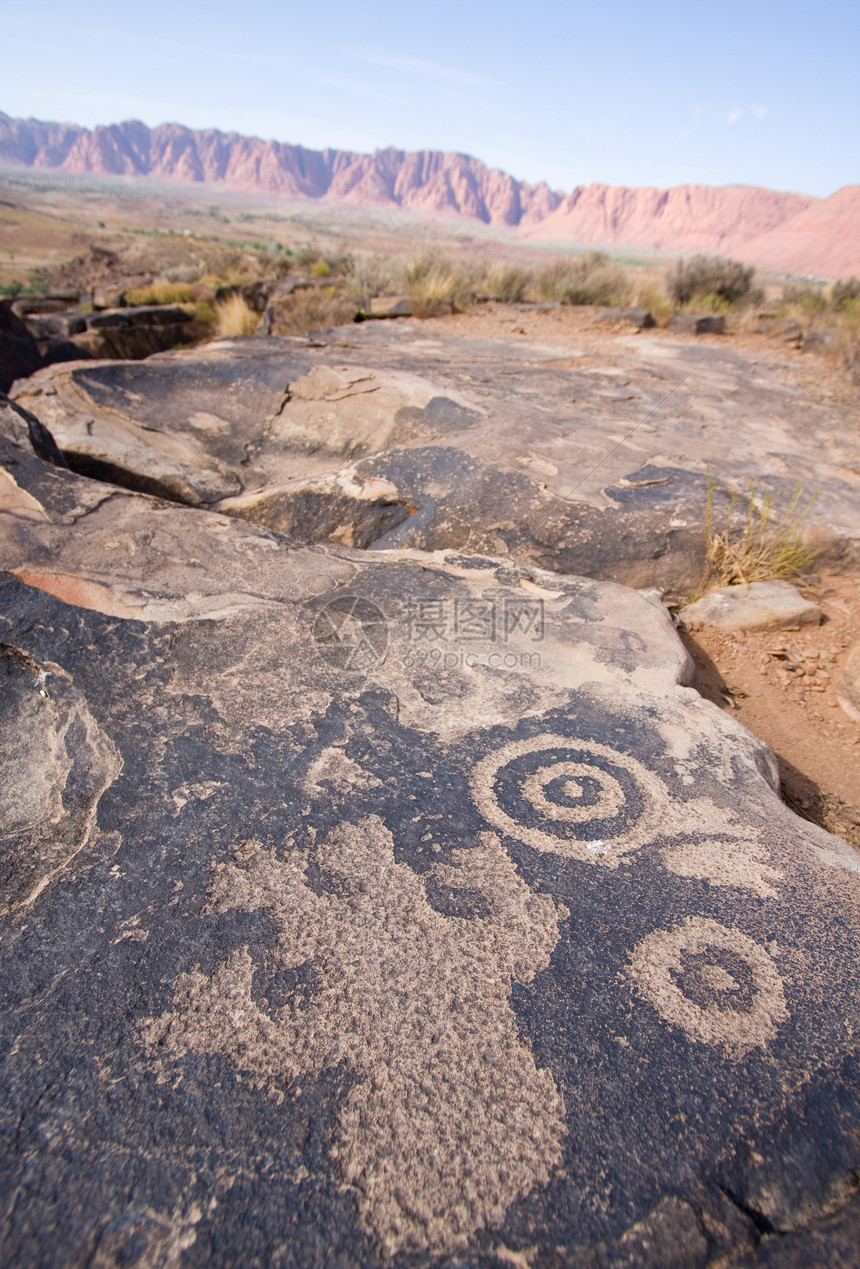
x=844, y=291
x=806, y=296
x=506, y=282
x=370, y=274
x=588, y=279
x=435, y=284
x=710, y=276
x=312, y=309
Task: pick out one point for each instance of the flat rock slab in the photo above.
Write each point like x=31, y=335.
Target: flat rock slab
x=380, y=908
x=772, y=605
x=539, y=452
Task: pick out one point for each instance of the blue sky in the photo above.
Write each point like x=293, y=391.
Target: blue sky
x=759, y=93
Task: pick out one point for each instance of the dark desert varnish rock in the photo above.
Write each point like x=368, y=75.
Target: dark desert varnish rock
x=398, y=908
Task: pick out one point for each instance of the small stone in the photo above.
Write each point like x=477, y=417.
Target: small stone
x=774, y=605
x=698, y=324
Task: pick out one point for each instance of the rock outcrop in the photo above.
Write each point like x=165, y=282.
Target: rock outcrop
x=427, y=180
x=399, y=435
x=364, y=905
x=684, y=218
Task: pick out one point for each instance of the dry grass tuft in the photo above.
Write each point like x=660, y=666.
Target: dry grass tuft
x=651, y=294
x=506, y=282
x=434, y=285
x=161, y=293
x=763, y=543
x=233, y=316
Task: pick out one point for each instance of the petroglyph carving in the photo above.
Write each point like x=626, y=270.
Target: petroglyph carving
x=571, y=796
x=725, y=863
x=714, y=982
x=449, y=1119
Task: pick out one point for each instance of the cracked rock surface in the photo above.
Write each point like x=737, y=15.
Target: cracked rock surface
x=393, y=907
x=400, y=435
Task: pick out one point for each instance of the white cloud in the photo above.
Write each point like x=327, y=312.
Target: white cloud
x=759, y=111
x=733, y=116
x=418, y=66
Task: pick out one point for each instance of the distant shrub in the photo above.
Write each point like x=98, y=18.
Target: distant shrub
x=800, y=292
x=370, y=274
x=340, y=263
x=435, y=284
x=321, y=269
x=507, y=282
x=728, y=281
x=844, y=291
x=307, y=255
x=803, y=299
x=233, y=316
x=589, y=279
x=312, y=309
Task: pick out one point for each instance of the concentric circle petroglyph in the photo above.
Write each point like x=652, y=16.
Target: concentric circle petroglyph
x=698, y=949
x=571, y=796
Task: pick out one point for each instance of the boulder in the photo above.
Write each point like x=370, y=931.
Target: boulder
x=56, y=325
x=111, y=292
x=142, y=315
x=44, y=305
x=19, y=351
x=393, y=904
x=390, y=306
x=134, y=333
x=818, y=341
x=641, y=318
x=25, y=434
x=59, y=349
x=786, y=328
x=774, y=605
x=697, y=324
x=255, y=294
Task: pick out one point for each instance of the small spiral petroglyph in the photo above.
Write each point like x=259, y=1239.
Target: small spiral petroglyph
x=669, y=964
x=570, y=796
